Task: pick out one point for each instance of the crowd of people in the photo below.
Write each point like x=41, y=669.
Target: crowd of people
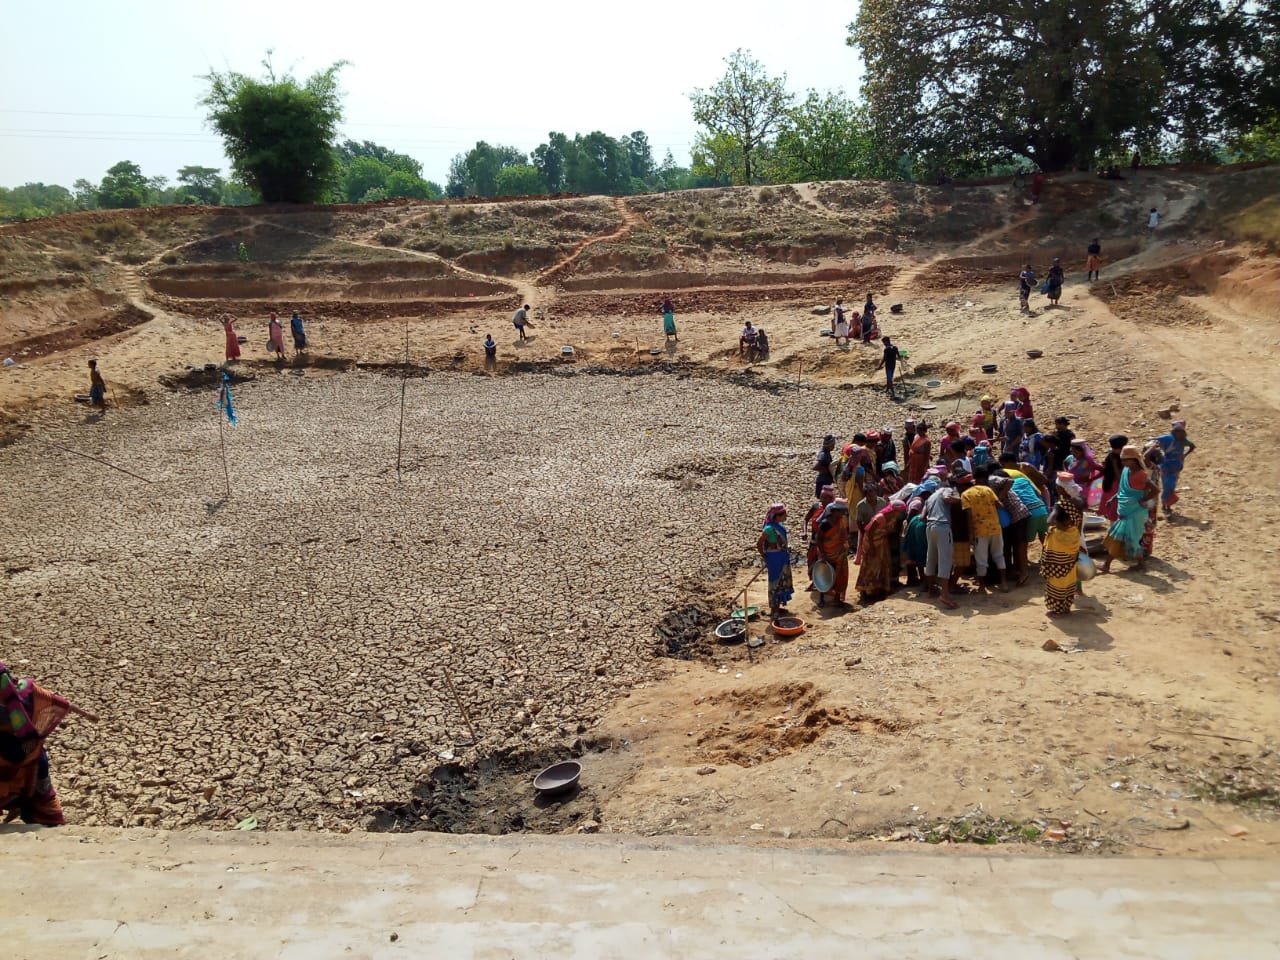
x=970, y=506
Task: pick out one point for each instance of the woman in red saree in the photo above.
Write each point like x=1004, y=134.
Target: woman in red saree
x=832, y=537
x=875, y=561
x=28, y=714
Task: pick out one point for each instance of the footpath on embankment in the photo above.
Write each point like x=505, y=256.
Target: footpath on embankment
x=108, y=894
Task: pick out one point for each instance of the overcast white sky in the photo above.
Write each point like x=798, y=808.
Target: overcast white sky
x=84, y=84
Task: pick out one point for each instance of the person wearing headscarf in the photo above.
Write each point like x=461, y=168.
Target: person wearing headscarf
x=1010, y=428
x=1082, y=465
x=1125, y=535
x=875, y=566
x=1174, y=448
x=773, y=549
x=868, y=507
x=947, y=452
x=890, y=478
x=832, y=537
x=1022, y=397
x=915, y=542
x=298, y=333
x=987, y=413
x=888, y=449
x=1062, y=548
x=28, y=715
x=1014, y=533
x=233, y=339
x=275, y=336
x=918, y=457
x=1031, y=448
x=1111, y=469
x=825, y=496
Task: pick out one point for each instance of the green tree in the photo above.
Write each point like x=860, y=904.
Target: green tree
x=236, y=193
x=201, y=185
x=551, y=159
x=401, y=183
x=639, y=157
x=993, y=79
x=475, y=173
x=123, y=187
x=597, y=164
x=827, y=137
x=85, y=194
x=362, y=175
x=279, y=133
x=520, y=181
x=716, y=160
x=745, y=104
x=349, y=150
x=33, y=200
x=1260, y=143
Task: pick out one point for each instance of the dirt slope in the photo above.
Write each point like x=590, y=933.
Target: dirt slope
x=897, y=721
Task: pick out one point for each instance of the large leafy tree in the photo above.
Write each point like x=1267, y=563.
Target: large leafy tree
x=278, y=132
x=1060, y=81
x=746, y=104
x=202, y=185
x=475, y=173
x=32, y=200
x=828, y=137
x=123, y=187
x=522, y=180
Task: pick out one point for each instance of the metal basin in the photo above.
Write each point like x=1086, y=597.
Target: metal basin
x=558, y=777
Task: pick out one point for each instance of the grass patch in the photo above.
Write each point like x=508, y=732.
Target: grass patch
x=1258, y=223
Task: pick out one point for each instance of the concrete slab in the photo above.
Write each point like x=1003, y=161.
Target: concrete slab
x=141, y=894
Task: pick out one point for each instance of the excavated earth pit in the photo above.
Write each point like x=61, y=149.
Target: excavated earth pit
x=286, y=652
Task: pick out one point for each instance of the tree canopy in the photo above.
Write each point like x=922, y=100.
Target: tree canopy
x=279, y=133
x=746, y=104
x=1061, y=81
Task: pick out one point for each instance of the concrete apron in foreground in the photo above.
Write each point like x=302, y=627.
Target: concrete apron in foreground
x=129, y=894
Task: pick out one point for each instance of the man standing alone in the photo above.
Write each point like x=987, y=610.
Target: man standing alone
x=890, y=363
x=97, y=387
x=1095, y=251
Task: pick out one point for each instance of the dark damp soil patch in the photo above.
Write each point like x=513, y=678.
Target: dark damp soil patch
x=202, y=378
x=685, y=632
x=494, y=795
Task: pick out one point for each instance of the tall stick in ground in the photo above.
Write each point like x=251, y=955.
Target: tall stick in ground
x=404, y=382
x=222, y=442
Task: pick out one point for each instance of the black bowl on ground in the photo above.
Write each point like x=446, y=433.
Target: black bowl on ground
x=557, y=778
x=989, y=368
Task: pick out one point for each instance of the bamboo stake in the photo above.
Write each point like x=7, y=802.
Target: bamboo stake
x=82, y=712
x=404, y=382
x=222, y=442
x=799, y=367
x=461, y=708
x=88, y=456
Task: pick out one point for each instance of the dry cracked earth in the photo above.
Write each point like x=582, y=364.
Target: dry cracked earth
x=286, y=653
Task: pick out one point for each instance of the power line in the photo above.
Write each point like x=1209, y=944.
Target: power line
x=407, y=126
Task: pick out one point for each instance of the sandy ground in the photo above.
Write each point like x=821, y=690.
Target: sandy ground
x=900, y=722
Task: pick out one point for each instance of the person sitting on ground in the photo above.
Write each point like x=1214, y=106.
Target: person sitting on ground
x=490, y=348
x=97, y=387
x=762, y=344
x=747, y=339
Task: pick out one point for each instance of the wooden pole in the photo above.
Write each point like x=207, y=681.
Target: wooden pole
x=222, y=442
x=82, y=712
x=88, y=456
x=799, y=367
x=404, y=382
x=461, y=708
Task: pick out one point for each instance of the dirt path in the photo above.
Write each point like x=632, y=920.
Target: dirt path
x=630, y=221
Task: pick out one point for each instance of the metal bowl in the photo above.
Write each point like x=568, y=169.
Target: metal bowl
x=824, y=576
x=933, y=383
x=1035, y=354
x=731, y=631
x=990, y=368
x=558, y=777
